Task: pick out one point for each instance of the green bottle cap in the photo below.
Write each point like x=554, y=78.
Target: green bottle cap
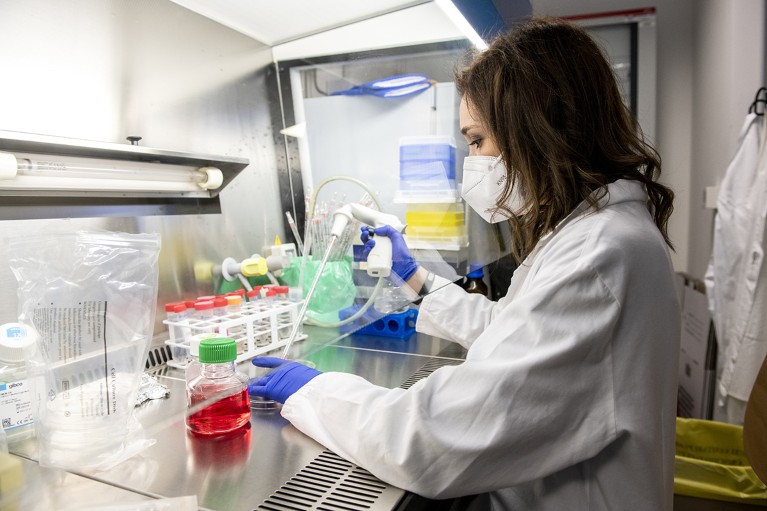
x=217, y=350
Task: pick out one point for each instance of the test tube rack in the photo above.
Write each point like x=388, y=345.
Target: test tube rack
x=258, y=327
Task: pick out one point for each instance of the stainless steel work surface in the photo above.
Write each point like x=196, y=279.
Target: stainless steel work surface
x=240, y=471
x=46, y=489
x=415, y=344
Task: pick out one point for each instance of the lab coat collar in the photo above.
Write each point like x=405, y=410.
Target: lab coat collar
x=623, y=190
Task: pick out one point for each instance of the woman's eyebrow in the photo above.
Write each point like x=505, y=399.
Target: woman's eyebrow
x=466, y=129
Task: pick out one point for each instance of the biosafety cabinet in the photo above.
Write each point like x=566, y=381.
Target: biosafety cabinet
x=250, y=89
x=230, y=128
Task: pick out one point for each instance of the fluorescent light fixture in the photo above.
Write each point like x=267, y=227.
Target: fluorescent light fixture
x=452, y=12
x=35, y=174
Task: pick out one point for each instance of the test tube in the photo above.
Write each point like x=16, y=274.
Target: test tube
x=203, y=311
x=283, y=319
x=175, y=312
x=261, y=327
x=219, y=313
x=282, y=292
x=271, y=295
x=254, y=297
x=233, y=310
x=220, y=305
x=233, y=303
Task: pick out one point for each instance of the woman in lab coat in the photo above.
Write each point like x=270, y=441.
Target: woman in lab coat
x=566, y=400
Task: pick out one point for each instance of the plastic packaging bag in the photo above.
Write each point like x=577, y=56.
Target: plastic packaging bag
x=92, y=298
x=335, y=289
x=710, y=463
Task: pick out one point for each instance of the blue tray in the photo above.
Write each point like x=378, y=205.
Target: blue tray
x=399, y=324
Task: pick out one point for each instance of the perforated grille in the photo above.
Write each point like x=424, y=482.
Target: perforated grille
x=427, y=369
x=327, y=483
x=157, y=357
x=453, y=350
x=454, y=354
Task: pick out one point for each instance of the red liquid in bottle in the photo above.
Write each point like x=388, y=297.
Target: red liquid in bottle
x=224, y=415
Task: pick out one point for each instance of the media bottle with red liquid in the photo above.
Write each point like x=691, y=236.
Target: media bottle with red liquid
x=222, y=386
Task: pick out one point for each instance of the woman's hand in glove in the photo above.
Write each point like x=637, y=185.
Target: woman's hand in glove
x=402, y=263
x=281, y=383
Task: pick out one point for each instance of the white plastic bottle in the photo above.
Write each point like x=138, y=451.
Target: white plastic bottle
x=17, y=380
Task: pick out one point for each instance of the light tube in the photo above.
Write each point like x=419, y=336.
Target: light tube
x=34, y=172
x=452, y=12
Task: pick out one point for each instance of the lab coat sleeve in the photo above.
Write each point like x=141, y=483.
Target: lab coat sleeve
x=534, y=396
x=451, y=313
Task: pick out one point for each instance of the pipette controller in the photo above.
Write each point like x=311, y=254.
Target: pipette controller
x=380, y=257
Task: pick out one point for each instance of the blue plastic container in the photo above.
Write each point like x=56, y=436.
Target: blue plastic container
x=398, y=325
x=427, y=161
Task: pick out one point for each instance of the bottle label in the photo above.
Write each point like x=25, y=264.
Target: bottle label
x=15, y=404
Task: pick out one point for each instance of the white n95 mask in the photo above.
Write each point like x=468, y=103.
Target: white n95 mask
x=483, y=180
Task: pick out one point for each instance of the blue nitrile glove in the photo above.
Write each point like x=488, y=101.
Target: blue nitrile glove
x=402, y=263
x=283, y=382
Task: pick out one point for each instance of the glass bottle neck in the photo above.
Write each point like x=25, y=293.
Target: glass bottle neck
x=218, y=370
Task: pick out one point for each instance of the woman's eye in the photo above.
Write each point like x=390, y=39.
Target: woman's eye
x=476, y=142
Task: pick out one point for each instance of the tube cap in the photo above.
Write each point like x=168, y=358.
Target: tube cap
x=175, y=307
x=233, y=299
x=203, y=305
x=17, y=342
x=218, y=350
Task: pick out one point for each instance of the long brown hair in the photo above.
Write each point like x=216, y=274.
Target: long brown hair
x=547, y=96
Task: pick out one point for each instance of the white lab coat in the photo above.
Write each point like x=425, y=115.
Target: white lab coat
x=567, y=396
x=735, y=285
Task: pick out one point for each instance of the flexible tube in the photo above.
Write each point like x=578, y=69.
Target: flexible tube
x=310, y=213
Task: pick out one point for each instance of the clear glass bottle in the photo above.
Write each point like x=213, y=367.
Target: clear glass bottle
x=220, y=383
x=194, y=368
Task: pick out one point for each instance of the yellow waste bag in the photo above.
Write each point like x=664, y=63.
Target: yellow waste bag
x=711, y=463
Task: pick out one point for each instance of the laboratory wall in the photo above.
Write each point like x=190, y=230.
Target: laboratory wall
x=728, y=69
x=710, y=63
x=106, y=69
